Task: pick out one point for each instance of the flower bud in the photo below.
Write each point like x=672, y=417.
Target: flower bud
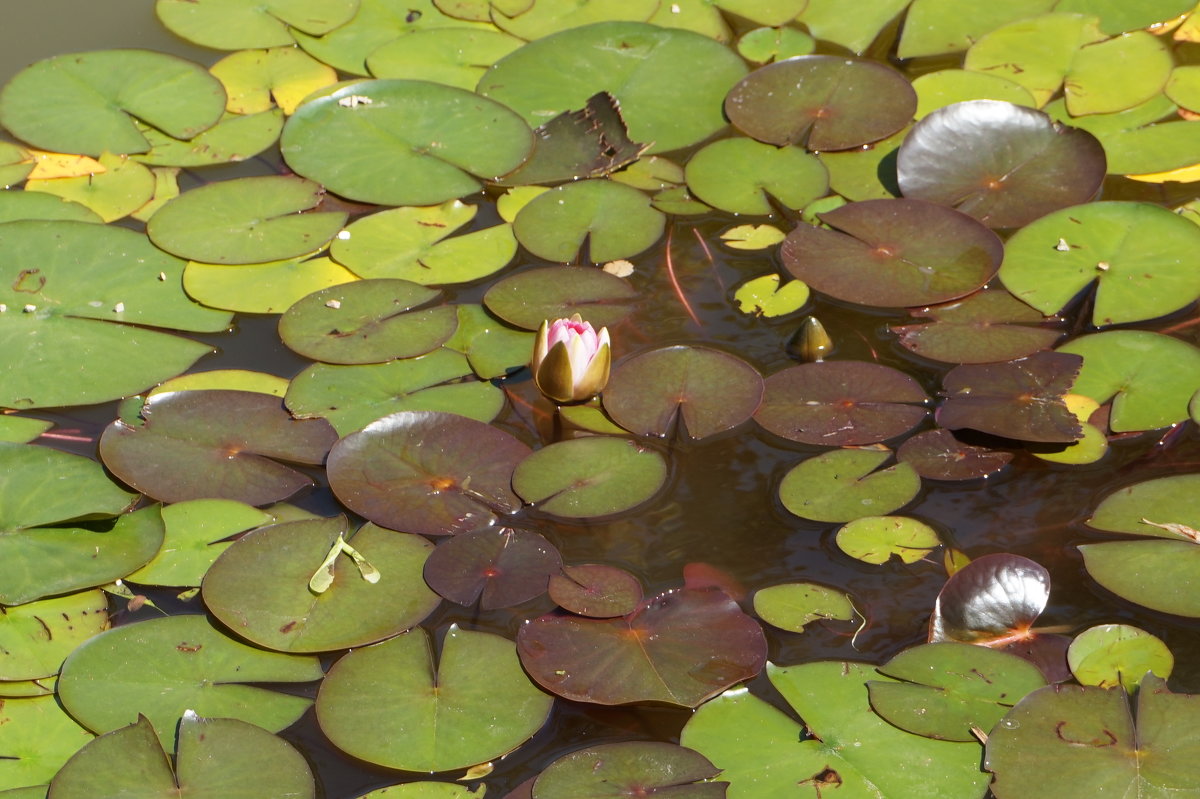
x=570, y=359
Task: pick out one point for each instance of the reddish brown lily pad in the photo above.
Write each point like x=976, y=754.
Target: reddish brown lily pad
x=985, y=327
x=938, y=455
x=630, y=768
x=596, y=590
x=500, y=568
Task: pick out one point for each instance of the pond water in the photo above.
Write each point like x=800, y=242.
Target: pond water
x=721, y=504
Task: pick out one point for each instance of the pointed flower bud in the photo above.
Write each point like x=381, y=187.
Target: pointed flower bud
x=570, y=359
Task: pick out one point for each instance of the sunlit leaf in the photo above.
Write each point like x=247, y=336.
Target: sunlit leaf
x=498, y=568
x=843, y=485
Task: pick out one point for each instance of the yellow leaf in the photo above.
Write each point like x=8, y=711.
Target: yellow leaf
x=47, y=166
x=253, y=77
x=1184, y=174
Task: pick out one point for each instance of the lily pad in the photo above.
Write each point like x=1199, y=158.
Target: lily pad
x=706, y=390
x=532, y=296
x=261, y=586
x=938, y=455
x=628, y=769
x=222, y=444
x=893, y=253
x=595, y=590
x=262, y=288
x=681, y=647
x=87, y=102
x=1118, y=655
x=985, y=327
x=531, y=20
x=1004, y=164
x=247, y=220
x=498, y=568
x=367, y=321
x=122, y=188
x=234, y=138
x=259, y=80
x=1148, y=138
x=16, y=205
x=864, y=173
x=1116, y=74
x=36, y=738
x=821, y=102
x=793, y=606
x=611, y=219
x=841, y=403
x=166, y=666
x=35, y=637
x=1036, y=52
x=934, y=27
x=235, y=379
x=992, y=600
x=843, y=485
x=387, y=704
x=949, y=86
x=650, y=70
x=232, y=25
x=827, y=20
x=428, y=473
x=763, y=45
x=403, y=142
x=590, y=476
x=455, y=56
x=736, y=175
x=197, y=531
x=876, y=539
x=22, y=429
x=492, y=348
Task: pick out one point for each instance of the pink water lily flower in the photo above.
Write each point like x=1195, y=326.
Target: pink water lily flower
x=570, y=359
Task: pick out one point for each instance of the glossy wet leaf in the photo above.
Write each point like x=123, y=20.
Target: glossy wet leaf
x=234, y=138
x=232, y=25
x=402, y=142
x=87, y=102
x=427, y=472
x=1003, y=164
x=938, y=455
x=842, y=744
x=36, y=738
x=841, y=403
x=1021, y=399
x=949, y=86
x=124, y=187
x=1118, y=655
x=246, y=220
x=821, y=102
x=259, y=80
x=611, y=219
x=367, y=321
x=455, y=56
x=893, y=253
x=847, y=484
x=164, y=666
x=498, y=568
x=596, y=590
x=262, y=288
x=875, y=539
x=933, y=27
x=736, y=175
x=707, y=390
x=681, y=647
x=649, y=70
x=590, y=476
x=389, y=704
x=220, y=444
x=412, y=244
x=793, y=606
x=629, y=769
x=215, y=758
x=197, y=531
x=1149, y=377
x=259, y=587
x=532, y=296
x=1138, y=254
x=74, y=279
x=35, y=637
x=993, y=599
x=948, y=689
x=982, y=328
x=1084, y=740
x=351, y=397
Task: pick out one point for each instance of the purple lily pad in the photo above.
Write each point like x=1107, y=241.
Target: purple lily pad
x=841, y=403
x=631, y=768
x=596, y=590
x=985, y=327
x=500, y=568
x=938, y=455
x=894, y=253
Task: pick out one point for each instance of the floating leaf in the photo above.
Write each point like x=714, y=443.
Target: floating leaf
x=197, y=531
x=387, y=704
x=36, y=738
x=596, y=590
x=709, y=391
x=532, y=296
x=738, y=175
x=827, y=20
x=938, y=455
x=793, y=606
x=949, y=86
x=629, y=769
x=1148, y=138
x=934, y=27
x=985, y=327
x=992, y=600
x=259, y=80
x=235, y=379
x=843, y=485
x=16, y=205
x=759, y=237
x=455, y=56
x=763, y=296
x=35, y=637
x=613, y=220
x=590, y=476
x=681, y=647
x=875, y=539
x=1036, y=52
x=21, y=429
x=1021, y=399
x=268, y=288
x=224, y=444
x=1118, y=655
x=493, y=348
x=763, y=45
x=122, y=188
x=499, y=568
x=234, y=138
x=232, y=25
x=1117, y=74
x=864, y=173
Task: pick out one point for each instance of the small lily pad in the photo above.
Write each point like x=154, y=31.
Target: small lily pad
x=735, y=175
x=124, y=187
x=992, y=600
x=532, y=296
x=613, y=220
x=590, y=476
x=984, y=327
x=1118, y=655
x=629, y=769
x=271, y=287
x=595, y=590
x=232, y=25
x=843, y=485
x=234, y=138
x=498, y=568
x=36, y=738
x=764, y=296
x=259, y=80
x=197, y=531
x=455, y=56
x=793, y=606
x=876, y=539
x=938, y=455
x=35, y=637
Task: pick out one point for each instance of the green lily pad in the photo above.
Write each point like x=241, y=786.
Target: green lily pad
x=233, y=25
x=595, y=590
x=843, y=485
x=63, y=284
x=233, y=379
x=1149, y=377
x=949, y=86
x=532, y=296
x=498, y=568
x=629, y=769
x=1116, y=74
x=766, y=754
x=214, y=758
x=87, y=102
x=36, y=738
x=1139, y=255
x=262, y=288
x=124, y=187
x=821, y=102
x=246, y=220
x=37, y=636
x=166, y=666
x=427, y=472
x=934, y=27
x=828, y=21
x=1183, y=87
x=16, y=205
x=736, y=174
x=893, y=253
x=1117, y=17
x=197, y=531
x=985, y=327
x=21, y=429
x=949, y=689
x=590, y=476
x=763, y=45
x=1147, y=138
x=1081, y=740
x=875, y=539
x=260, y=80
x=388, y=704
x=705, y=390
x=1118, y=655
x=492, y=348
x=457, y=56
x=682, y=647
x=260, y=586
x=864, y=173
x=403, y=142
x=233, y=138
x=1036, y=52
x=613, y=220
x=367, y=321
x=220, y=444
x=425, y=790
x=764, y=296
x=793, y=606
x=411, y=244
x=1004, y=164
